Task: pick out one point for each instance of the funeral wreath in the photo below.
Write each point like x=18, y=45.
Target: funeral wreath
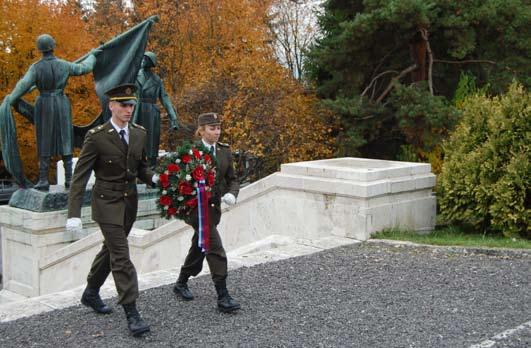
x=183, y=175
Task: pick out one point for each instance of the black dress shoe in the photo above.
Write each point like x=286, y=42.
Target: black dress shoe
x=181, y=289
x=226, y=303
x=135, y=323
x=91, y=298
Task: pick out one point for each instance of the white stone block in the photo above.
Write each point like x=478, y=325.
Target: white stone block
x=61, y=172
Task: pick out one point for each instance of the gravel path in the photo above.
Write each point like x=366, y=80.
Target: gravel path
x=362, y=295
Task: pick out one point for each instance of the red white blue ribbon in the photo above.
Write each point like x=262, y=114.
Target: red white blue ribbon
x=202, y=209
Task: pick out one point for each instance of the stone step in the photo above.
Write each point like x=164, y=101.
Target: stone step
x=272, y=248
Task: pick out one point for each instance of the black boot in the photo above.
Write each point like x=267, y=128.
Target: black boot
x=91, y=298
x=67, y=164
x=181, y=289
x=135, y=323
x=226, y=304
x=44, y=165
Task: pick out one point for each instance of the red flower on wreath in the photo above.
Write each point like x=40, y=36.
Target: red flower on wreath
x=207, y=158
x=173, y=168
x=164, y=180
x=172, y=211
x=191, y=202
x=196, y=153
x=186, y=158
x=165, y=200
x=199, y=173
x=185, y=188
x=211, y=178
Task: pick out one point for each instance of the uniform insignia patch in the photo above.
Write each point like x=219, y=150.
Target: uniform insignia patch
x=137, y=126
x=96, y=129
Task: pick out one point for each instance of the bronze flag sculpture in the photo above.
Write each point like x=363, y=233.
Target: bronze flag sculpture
x=115, y=62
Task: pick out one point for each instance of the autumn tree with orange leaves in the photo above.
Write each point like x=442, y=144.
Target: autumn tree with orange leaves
x=213, y=56
x=217, y=56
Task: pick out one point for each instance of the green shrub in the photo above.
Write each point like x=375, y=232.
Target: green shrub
x=485, y=179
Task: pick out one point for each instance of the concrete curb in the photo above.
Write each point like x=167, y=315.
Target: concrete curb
x=495, y=252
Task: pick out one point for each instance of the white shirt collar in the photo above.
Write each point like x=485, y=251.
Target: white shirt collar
x=207, y=145
x=118, y=129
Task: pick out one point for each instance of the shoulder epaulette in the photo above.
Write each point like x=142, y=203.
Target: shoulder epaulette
x=96, y=129
x=223, y=144
x=137, y=126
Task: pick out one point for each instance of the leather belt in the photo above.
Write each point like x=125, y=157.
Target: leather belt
x=115, y=186
x=51, y=92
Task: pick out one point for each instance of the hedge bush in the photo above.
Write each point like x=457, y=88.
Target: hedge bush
x=485, y=178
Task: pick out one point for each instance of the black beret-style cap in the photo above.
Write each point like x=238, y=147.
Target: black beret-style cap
x=124, y=94
x=208, y=118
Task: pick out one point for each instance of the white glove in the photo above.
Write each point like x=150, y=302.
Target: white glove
x=229, y=198
x=74, y=225
x=155, y=178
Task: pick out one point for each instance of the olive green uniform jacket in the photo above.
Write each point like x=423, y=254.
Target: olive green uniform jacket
x=116, y=167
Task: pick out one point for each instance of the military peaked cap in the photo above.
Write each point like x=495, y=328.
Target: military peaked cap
x=208, y=118
x=124, y=94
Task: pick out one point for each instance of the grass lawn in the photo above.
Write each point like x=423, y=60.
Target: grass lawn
x=455, y=236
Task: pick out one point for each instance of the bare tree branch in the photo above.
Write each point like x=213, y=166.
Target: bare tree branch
x=424, y=33
x=376, y=78
x=394, y=79
x=464, y=61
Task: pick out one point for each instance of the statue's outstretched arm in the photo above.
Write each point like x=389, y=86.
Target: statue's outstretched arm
x=86, y=66
x=166, y=102
x=23, y=86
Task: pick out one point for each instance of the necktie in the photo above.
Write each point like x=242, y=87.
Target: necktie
x=122, y=136
x=213, y=150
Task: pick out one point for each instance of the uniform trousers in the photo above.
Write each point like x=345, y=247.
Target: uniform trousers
x=114, y=257
x=215, y=256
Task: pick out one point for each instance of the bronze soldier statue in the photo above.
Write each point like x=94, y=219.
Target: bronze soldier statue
x=115, y=151
x=225, y=189
x=147, y=113
x=53, y=114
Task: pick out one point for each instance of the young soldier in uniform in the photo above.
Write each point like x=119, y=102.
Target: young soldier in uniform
x=115, y=151
x=226, y=189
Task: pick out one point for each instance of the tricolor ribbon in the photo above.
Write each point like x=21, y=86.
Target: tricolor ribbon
x=202, y=209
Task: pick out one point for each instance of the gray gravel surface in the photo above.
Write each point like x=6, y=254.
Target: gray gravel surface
x=362, y=295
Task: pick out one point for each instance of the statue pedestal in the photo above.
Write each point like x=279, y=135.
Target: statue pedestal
x=32, y=229
x=43, y=201
x=57, y=198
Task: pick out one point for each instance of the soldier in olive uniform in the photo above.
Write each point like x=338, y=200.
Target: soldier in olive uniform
x=226, y=189
x=115, y=151
x=147, y=113
x=53, y=114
